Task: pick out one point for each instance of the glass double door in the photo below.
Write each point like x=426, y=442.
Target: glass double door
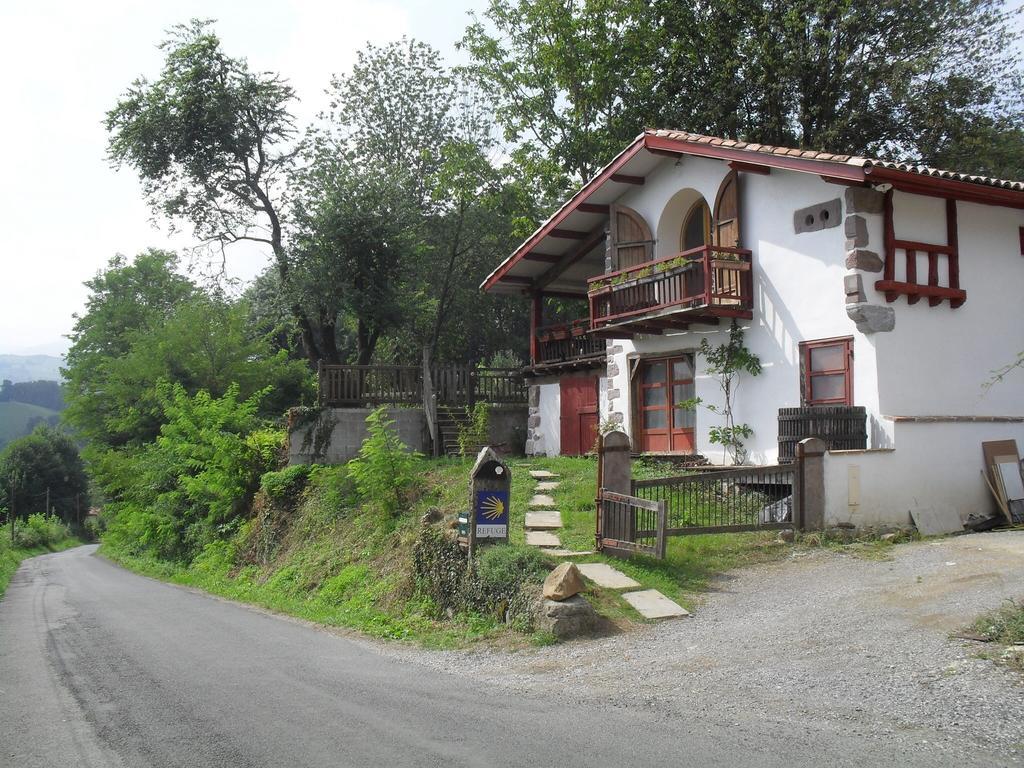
x=664, y=386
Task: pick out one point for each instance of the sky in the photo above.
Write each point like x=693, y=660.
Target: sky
x=63, y=210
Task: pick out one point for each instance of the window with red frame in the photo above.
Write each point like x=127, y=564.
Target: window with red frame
x=827, y=369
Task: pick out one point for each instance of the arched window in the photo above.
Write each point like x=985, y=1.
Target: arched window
x=696, y=229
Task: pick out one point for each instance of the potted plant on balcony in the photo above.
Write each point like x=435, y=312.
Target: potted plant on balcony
x=729, y=260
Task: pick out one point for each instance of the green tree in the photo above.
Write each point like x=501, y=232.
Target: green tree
x=127, y=300
x=193, y=483
x=145, y=324
x=726, y=362
x=402, y=113
x=212, y=142
x=46, y=460
x=895, y=77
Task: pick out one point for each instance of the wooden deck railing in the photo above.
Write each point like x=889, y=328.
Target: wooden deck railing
x=567, y=342
x=361, y=385
x=711, y=277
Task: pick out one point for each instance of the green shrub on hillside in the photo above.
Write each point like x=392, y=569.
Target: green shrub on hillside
x=385, y=470
x=286, y=485
x=195, y=484
x=501, y=583
x=40, y=531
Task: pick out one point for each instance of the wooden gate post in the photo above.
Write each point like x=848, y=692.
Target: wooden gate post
x=809, y=494
x=614, y=471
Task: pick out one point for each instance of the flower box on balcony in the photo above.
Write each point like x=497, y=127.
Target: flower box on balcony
x=734, y=264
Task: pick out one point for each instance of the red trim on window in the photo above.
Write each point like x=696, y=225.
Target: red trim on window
x=846, y=343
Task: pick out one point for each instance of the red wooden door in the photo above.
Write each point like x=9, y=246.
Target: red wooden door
x=663, y=386
x=578, y=396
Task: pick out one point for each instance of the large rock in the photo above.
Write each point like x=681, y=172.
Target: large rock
x=563, y=582
x=567, y=618
x=872, y=318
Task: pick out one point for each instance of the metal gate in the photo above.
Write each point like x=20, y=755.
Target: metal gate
x=630, y=525
x=726, y=500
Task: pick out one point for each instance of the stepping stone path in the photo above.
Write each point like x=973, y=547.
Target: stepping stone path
x=605, y=576
x=543, y=519
x=651, y=604
x=542, y=539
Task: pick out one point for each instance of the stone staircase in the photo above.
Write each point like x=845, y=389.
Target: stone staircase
x=449, y=421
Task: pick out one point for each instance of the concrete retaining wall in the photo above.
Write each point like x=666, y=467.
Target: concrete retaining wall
x=935, y=467
x=339, y=433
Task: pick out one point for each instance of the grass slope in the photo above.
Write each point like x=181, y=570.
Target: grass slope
x=14, y=418
x=326, y=559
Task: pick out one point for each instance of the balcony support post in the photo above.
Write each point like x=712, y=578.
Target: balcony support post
x=536, y=321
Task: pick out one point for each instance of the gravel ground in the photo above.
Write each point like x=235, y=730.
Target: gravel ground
x=824, y=645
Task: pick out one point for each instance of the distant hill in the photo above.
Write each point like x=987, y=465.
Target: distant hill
x=30, y=367
x=17, y=419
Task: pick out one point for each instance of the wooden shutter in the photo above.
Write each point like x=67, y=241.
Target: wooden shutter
x=631, y=238
x=727, y=212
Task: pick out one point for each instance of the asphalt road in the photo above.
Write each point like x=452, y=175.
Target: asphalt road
x=100, y=667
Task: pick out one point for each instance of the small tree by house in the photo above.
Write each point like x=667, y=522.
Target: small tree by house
x=726, y=362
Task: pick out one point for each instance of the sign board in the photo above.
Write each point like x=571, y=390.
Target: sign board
x=491, y=511
x=490, y=484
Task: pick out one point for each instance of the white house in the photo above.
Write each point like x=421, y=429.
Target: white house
x=860, y=283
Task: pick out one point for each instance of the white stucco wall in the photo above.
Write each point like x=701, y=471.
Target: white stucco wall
x=938, y=360
x=798, y=296
x=934, y=467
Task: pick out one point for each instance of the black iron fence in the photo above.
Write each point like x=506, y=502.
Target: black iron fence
x=721, y=500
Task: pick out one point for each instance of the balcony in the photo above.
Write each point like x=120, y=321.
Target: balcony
x=567, y=345
x=700, y=285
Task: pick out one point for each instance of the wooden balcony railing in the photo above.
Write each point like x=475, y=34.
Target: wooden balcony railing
x=710, y=281
x=362, y=385
x=567, y=342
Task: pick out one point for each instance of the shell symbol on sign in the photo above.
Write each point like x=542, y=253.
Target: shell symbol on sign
x=493, y=508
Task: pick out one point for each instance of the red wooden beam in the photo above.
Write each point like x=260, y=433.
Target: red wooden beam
x=933, y=277
x=934, y=186
x=912, y=274
x=623, y=178
x=739, y=165
x=571, y=205
x=570, y=258
x=568, y=234
x=953, y=241
x=889, y=241
x=843, y=182
x=592, y=208
x=915, y=289
x=536, y=321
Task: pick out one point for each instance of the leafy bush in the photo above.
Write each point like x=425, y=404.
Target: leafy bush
x=500, y=583
x=196, y=482
x=40, y=531
x=475, y=431
x=385, y=469
x=284, y=486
